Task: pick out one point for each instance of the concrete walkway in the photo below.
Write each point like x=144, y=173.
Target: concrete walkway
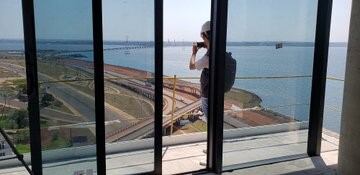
x=241, y=152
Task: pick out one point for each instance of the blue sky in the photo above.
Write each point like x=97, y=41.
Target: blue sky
x=11, y=19
x=272, y=20
x=63, y=19
x=133, y=19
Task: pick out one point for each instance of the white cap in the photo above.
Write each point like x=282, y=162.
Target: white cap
x=205, y=27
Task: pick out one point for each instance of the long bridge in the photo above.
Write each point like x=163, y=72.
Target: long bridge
x=123, y=46
x=146, y=126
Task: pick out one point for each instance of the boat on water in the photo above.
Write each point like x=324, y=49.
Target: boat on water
x=279, y=45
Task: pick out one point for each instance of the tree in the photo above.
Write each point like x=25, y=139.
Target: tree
x=17, y=119
x=46, y=100
x=22, y=137
x=5, y=93
x=20, y=118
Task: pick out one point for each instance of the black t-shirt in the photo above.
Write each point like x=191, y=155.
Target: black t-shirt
x=204, y=80
x=204, y=83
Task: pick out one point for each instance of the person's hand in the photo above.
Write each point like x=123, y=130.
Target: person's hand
x=194, y=50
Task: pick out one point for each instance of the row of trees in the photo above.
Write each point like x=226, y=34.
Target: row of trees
x=16, y=119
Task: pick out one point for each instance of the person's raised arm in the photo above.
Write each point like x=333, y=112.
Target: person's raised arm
x=192, y=59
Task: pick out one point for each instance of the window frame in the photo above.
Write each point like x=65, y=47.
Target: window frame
x=219, y=13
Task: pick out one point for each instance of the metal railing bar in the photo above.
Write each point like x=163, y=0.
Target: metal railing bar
x=19, y=156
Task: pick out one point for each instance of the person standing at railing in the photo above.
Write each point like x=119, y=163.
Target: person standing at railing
x=202, y=64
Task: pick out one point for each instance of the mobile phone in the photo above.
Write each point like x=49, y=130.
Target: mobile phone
x=199, y=44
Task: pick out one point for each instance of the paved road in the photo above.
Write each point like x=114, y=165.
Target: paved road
x=83, y=103
x=46, y=112
x=85, y=106
x=147, y=127
x=180, y=112
x=60, y=116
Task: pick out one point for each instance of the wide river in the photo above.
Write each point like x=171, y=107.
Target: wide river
x=289, y=96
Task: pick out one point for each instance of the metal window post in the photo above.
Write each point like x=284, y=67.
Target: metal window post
x=99, y=86
x=32, y=85
x=216, y=97
x=158, y=29
x=173, y=105
x=319, y=77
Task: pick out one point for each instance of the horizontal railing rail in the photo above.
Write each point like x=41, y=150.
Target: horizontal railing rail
x=146, y=144
x=20, y=157
x=180, y=78
x=191, y=78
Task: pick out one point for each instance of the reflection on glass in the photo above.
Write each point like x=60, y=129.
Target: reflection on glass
x=334, y=89
x=129, y=85
x=66, y=86
x=267, y=110
x=14, y=119
x=334, y=94
x=184, y=123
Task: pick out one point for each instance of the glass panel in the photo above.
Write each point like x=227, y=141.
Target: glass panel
x=184, y=123
x=14, y=119
x=66, y=86
x=267, y=110
x=129, y=85
x=340, y=21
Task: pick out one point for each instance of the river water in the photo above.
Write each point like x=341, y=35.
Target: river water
x=289, y=96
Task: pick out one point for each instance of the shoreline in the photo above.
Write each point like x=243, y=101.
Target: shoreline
x=251, y=99
x=277, y=118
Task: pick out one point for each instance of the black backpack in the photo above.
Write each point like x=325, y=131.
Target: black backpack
x=230, y=71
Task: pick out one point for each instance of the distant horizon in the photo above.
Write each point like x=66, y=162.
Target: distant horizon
x=171, y=41
x=177, y=25
x=120, y=43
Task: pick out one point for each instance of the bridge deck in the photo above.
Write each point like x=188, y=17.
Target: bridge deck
x=146, y=127
x=178, y=159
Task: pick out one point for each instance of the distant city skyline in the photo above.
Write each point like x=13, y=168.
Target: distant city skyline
x=182, y=20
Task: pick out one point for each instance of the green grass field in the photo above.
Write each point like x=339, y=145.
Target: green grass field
x=247, y=99
x=57, y=144
x=127, y=101
x=23, y=148
x=61, y=108
x=130, y=104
